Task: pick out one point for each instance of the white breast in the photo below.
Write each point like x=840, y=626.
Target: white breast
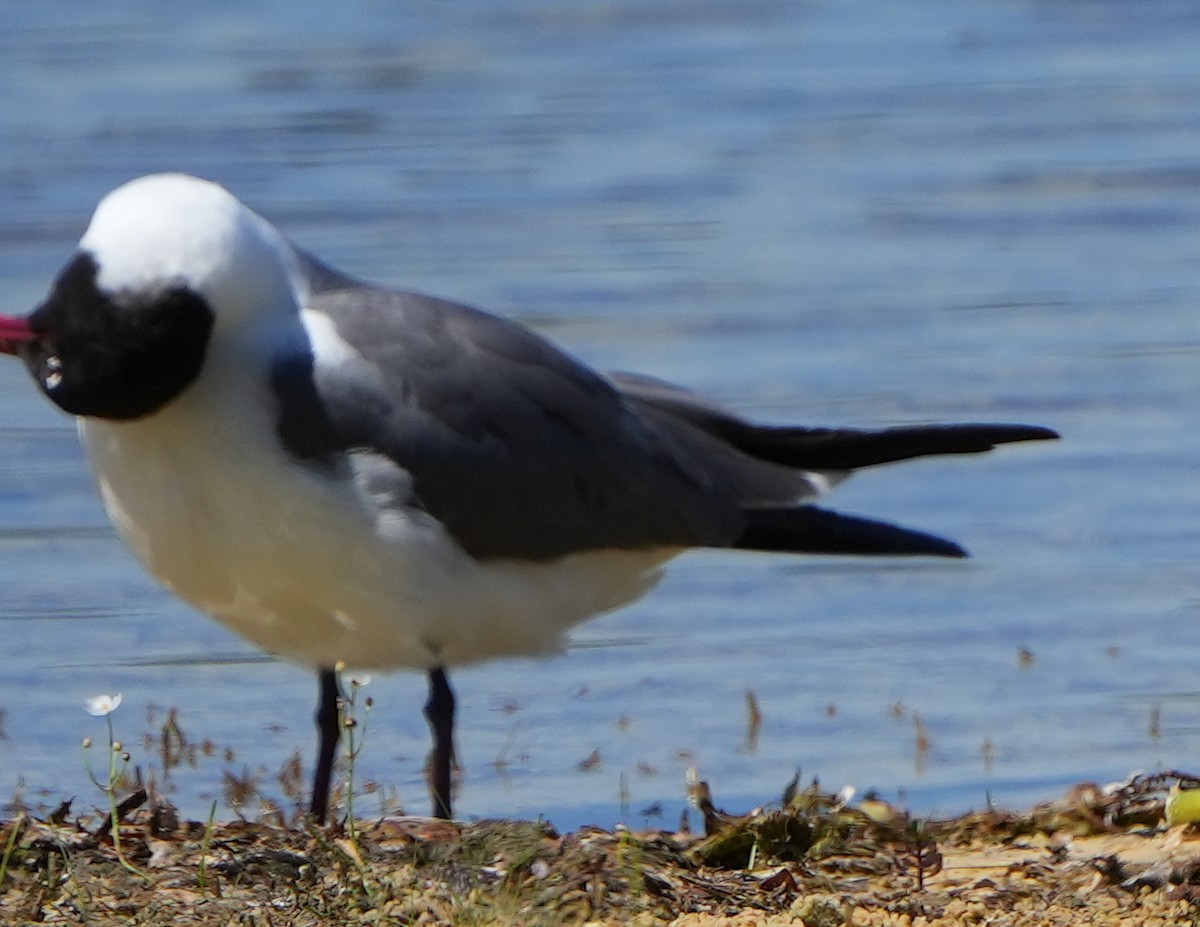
x=304, y=565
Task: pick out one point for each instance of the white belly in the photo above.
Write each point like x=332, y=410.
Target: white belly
x=304, y=568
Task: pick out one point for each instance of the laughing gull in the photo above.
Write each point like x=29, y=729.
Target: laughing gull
x=348, y=474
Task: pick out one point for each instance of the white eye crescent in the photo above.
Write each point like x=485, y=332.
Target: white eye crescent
x=53, y=378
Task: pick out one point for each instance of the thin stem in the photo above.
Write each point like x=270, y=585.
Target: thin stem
x=18, y=825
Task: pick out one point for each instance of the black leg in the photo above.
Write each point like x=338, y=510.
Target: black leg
x=439, y=712
x=328, y=734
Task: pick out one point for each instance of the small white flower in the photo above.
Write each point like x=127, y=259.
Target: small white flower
x=358, y=680
x=101, y=705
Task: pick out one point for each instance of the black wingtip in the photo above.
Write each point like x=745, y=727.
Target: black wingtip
x=852, y=449
x=812, y=530
x=1009, y=434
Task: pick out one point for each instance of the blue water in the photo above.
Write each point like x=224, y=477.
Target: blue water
x=859, y=213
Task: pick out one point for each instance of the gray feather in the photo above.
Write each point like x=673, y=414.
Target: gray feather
x=521, y=451
x=515, y=447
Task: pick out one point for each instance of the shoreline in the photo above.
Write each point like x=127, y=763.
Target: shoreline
x=1100, y=854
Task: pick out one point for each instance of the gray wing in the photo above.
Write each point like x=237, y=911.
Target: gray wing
x=522, y=451
x=518, y=449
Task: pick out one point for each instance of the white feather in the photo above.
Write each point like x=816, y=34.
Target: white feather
x=304, y=565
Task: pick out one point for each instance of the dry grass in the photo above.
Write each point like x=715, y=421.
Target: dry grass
x=1096, y=856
